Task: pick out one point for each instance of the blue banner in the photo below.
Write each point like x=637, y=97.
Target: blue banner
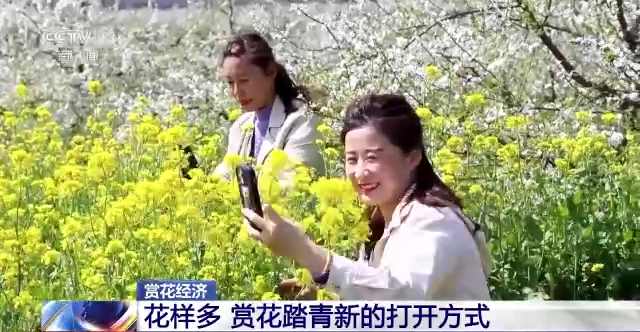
x=89, y=316
x=175, y=290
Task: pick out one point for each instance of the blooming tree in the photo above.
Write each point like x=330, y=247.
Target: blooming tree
x=548, y=56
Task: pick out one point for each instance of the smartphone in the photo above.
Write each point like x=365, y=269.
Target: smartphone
x=249, y=194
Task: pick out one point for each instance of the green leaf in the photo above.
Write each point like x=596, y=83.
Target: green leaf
x=587, y=231
x=577, y=197
x=563, y=210
x=627, y=236
x=534, y=230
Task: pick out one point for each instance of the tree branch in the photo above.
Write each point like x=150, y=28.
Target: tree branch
x=509, y=97
x=519, y=23
x=603, y=88
x=324, y=25
x=629, y=34
x=452, y=16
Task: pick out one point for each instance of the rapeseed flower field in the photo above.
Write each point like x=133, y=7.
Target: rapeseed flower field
x=85, y=217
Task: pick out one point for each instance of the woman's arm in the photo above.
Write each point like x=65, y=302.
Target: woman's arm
x=415, y=264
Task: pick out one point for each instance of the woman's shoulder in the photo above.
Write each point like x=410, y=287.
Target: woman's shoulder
x=451, y=230
x=300, y=108
x=302, y=113
x=455, y=230
x=418, y=214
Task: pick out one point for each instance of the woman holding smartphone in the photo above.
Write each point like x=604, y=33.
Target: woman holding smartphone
x=276, y=113
x=421, y=246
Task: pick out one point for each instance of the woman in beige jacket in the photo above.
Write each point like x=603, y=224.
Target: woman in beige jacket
x=421, y=246
x=276, y=113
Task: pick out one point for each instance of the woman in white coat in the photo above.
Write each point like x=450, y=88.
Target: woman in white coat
x=421, y=246
x=275, y=109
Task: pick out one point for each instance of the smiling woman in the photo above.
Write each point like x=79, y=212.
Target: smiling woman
x=421, y=246
x=275, y=108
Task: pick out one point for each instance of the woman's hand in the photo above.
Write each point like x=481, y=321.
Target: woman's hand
x=286, y=239
x=290, y=289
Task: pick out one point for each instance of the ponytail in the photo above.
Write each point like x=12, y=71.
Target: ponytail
x=376, y=229
x=288, y=91
x=430, y=190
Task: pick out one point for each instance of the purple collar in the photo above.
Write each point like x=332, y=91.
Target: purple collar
x=262, y=115
x=261, y=127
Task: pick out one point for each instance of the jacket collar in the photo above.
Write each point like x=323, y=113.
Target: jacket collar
x=401, y=211
x=276, y=120
x=399, y=215
x=277, y=117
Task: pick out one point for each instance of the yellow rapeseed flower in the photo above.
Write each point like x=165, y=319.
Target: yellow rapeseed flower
x=104, y=160
x=94, y=87
x=22, y=159
x=424, y=113
x=516, y=121
x=43, y=113
x=23, y=300
x=331, y=153
x=475, y=189
x=562, y=164
x=475, y=98
x=509, y=152
x=177, y=113
x=247, y=126
x=438, y=122
x=332, y=191
x=432, y=71
x=324, y=129
x=233, y=160
x=234, y=114
x=448, y=179
x=455, y=143
x=51, y=257
x=21, y=90
x=277, y=161
x=583, y=116
x=608, y=118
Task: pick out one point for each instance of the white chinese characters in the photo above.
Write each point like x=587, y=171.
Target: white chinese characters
x=175, y=291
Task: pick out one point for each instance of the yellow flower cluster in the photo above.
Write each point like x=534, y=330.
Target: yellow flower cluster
x=88, y=217
x=85, y=218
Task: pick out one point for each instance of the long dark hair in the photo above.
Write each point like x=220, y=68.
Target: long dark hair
x=393, y=116
x=255, y=48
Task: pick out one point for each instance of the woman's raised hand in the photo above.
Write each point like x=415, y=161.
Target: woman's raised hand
x=281, y=236
x=284, y=238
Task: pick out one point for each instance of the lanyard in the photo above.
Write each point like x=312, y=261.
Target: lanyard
x=252, y=145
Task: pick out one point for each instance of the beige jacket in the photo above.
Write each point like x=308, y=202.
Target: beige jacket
x=425, y=253
x=296, y=134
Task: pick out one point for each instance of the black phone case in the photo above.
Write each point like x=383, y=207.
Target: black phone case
x=248, y=185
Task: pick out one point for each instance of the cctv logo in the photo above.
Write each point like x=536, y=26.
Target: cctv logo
x=62, y=37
